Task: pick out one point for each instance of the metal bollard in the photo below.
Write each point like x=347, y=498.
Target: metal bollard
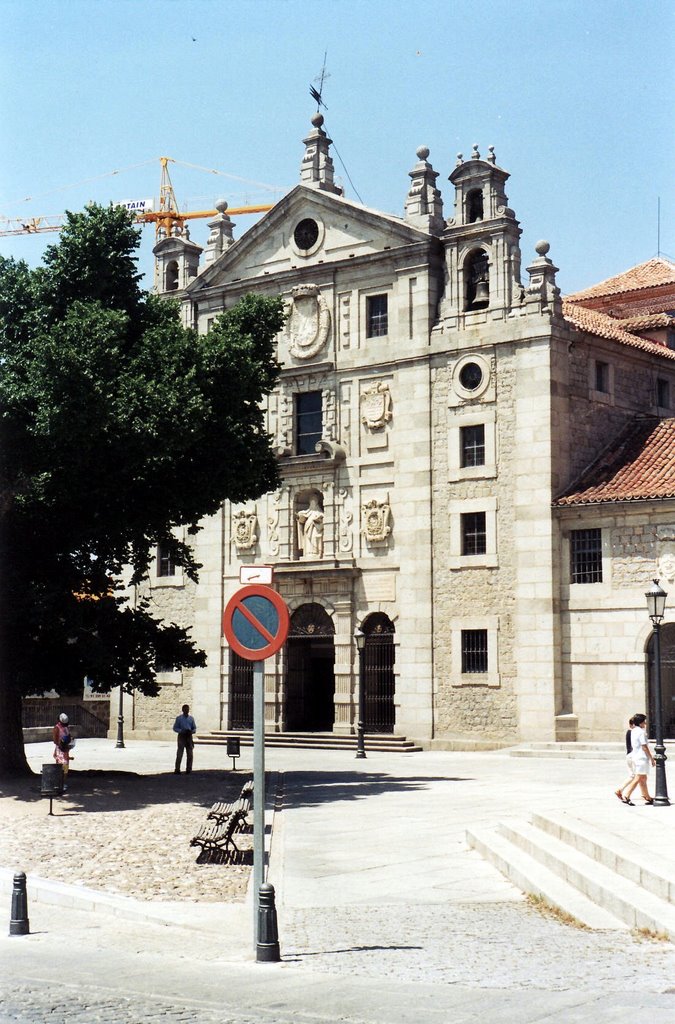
x=19, y=924
x=267, y=950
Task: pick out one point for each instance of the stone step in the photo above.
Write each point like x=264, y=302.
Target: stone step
x=650, y=865
x=315, y=741
x=586, y=751
x=532, y=877
x=612, y=875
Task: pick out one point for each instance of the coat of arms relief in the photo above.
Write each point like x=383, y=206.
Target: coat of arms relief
x=244, y=530
x=376, y=521
x=308, y=321
x=376, y=405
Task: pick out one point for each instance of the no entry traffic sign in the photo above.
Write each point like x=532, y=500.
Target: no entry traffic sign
x=255, y=622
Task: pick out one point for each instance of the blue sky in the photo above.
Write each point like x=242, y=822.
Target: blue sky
x=575, y=95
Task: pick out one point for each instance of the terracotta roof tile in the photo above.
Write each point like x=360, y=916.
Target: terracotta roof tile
x=649, y=320
x=654, y=272
x=637, y=466
x=604, y=326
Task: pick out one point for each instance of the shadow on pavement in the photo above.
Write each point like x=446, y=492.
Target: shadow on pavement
x=307, y=788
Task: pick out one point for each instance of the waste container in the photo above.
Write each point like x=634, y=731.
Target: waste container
x=52, y=780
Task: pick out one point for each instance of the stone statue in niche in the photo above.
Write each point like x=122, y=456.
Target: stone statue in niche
x=310, y=529
x=376, y=521
x=376, y=405
x=666, y=566
x=244, y=530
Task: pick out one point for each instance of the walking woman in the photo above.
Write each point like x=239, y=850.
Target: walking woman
x=642, y=758
x=629, y=761
x=63, y=742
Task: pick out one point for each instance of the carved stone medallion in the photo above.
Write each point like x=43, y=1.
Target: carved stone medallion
x=308, y=321
x=376, y=405
x=376, y=521
x=244, y=530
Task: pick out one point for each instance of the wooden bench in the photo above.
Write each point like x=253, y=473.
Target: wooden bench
x=216, y=838
x=222, y=810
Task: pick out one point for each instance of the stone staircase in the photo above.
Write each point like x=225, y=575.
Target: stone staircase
x=599, y=877
x=315, y=741
x=590, y=751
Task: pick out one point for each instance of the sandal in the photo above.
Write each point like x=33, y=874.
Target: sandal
x=617, y=792
x=630, y=803
x=650, y=800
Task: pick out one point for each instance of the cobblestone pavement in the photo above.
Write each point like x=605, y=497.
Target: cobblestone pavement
x=491, y=946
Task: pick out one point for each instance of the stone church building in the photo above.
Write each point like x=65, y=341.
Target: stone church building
x=475, y=472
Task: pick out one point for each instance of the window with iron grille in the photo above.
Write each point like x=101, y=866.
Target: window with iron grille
x=166, y=560
x=474, y=534
x=308, y=422
x=586, y=556
x=377, y=319
x=472, y=446
x=474, y=650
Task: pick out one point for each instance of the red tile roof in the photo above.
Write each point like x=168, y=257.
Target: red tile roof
x=639, y=465
x=603, y=326
x=654, y=272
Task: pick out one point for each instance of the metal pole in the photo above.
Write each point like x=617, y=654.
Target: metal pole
x=661, y=785
x=360, y=741
x=258, y=790
x=120, y=720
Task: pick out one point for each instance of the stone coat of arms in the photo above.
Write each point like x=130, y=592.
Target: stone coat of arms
x=376, y=405
x=376, y=521
x=308, y=321
x=244, y=530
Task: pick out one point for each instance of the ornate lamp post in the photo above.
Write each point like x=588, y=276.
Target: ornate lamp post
x=656, y=606
x=360, y=640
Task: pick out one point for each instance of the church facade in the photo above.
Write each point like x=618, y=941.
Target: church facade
x=443, y=422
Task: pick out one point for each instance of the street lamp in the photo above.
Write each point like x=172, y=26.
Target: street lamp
x=360, y=640
x=656, y=606
x=120, y=720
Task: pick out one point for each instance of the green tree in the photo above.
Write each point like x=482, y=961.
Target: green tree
x=117, y=424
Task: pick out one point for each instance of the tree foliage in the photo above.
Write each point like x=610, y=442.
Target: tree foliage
x=117, y=425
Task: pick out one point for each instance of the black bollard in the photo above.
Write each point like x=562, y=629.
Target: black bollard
x=267, y=950
x=19, y=924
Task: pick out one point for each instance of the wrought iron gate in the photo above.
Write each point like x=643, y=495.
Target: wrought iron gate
x=241, y=692
x=309, y=684
x=379, y=657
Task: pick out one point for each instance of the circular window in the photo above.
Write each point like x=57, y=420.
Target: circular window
x=470, y=376
x=306, y=233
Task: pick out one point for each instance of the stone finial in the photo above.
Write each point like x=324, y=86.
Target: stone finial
x=542, y=248
x=492, y=159
x=542, y=291
x=475, y=155
x=424, y=203
x=316, y=169
x=220, y=237
x=460, y=159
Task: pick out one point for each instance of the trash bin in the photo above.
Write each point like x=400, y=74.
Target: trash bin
x=52, y=780
x=233, y=746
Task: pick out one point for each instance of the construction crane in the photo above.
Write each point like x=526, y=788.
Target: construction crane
x=168, y=219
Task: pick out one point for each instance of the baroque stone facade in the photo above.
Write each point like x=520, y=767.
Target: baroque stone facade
x=433, y=405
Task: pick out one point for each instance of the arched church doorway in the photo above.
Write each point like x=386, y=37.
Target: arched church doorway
x=667, y=681
x=309, y=691
x=380, y=685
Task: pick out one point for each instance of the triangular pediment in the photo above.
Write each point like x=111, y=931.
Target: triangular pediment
x=343, y=229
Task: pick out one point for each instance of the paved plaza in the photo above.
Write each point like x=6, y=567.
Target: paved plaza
x=385, y=915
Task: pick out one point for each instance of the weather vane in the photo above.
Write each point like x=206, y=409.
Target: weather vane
x=316, y=93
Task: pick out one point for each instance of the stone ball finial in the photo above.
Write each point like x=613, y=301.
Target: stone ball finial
x=542, y=247
x=475, y=155
x=423, y=152
x=491, y=151
x=221, y=206
x=460, y=159
x=317, y=120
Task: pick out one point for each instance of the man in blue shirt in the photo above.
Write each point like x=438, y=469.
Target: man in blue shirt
x=186, y=728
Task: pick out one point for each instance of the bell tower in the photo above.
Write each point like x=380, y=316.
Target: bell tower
x=482, y=251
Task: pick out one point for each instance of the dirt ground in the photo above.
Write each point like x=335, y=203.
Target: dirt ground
x=121, y=833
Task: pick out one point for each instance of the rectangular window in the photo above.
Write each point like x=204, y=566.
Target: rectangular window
x=377, y=318
x=601, y=376
x=308, y=422
x=474, y=534
x=586, y=556
x=663, y=393
x=474, y=650
x=472, y=446
x=166, y=564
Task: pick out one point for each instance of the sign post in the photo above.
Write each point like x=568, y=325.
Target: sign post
x=255, y=623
